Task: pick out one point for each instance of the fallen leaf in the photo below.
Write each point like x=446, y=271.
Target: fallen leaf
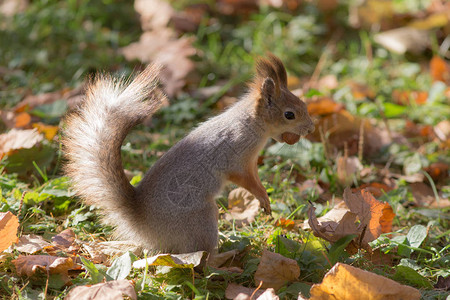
x=8, y=230
x=237, y=7
x=375, y=188
x=49, y=131
x=19, y=139
x=374, y=217
x=275, y=270
x=217, y=260
x=162, y=46
x=424, y=196
x=117, y=248
x=154, y=14
x=335, y=224
x=22, y=120
x=243, y=207
x=344, y=282
x=442, y=130
x=9, y=8
x=110, y=290
x=96, y=255
x=31, y=243
x=348, y=169
x=239, y=292
x=403, y=39
x=439, y=69
x=433, y=21
x=34, y=264
x=408, y=97
x=285, y=223
x=323, y=106
x=371, y=212
x=361, y=91
x=185, y=260
x=65, y=240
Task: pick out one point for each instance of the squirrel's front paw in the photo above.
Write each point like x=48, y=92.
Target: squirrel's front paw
x=265, y=204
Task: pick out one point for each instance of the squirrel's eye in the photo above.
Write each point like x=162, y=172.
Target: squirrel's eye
x=289, y=115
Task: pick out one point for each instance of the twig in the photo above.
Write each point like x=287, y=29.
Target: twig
x=361, y=141
x=254, y=292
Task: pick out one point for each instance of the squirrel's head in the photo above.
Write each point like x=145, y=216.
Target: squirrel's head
x=285, y=115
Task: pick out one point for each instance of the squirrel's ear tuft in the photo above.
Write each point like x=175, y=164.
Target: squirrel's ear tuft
x=279, y=68
x=266, y=70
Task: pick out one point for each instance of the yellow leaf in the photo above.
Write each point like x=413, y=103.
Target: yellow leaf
x=8, y=230
x=48, y=130
x=344, y=282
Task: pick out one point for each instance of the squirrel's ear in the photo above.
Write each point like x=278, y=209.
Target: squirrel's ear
x=268, y=91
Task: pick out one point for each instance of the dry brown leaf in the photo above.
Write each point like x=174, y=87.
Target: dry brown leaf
x=403, y=39
x=117, y=248
x=348, y=169
x=335, y=224
x=8, y=229
x=9, y=8
x=238, y=292
x=217, y=260
x=344, y=282
x=96, y=255
x=110, y=290
x=442, y=130
x=31, y=265
x=154, y=14
x=361, y=91
x=163, y=47
x=375, y=218
x=375, y=188
x=65, y=240
x=275, y=270
x=184, y=260
x=243, y=207
x=18, y=139
x=31, y=243
x=370, y=212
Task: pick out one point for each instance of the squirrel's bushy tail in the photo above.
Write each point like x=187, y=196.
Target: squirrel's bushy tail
x=93, y=137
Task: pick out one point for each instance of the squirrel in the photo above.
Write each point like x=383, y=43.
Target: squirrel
x=173, y=208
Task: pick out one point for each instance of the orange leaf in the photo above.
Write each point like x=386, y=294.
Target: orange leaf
x=439, y=70
x=324, y=106
x=350, y=283
x=285, y=223
x=48, y=130
x=406, y=97
x=370, y=211
x=22, y=119
x=8, y=230
x=376, y=188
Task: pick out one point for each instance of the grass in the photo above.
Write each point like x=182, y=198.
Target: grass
x=55, y=45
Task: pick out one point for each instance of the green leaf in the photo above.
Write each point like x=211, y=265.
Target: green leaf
x=416, y=235
x=392, y=110
x=95, y=273
x=121, y=267
x=337, y=249
x=411, y=276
